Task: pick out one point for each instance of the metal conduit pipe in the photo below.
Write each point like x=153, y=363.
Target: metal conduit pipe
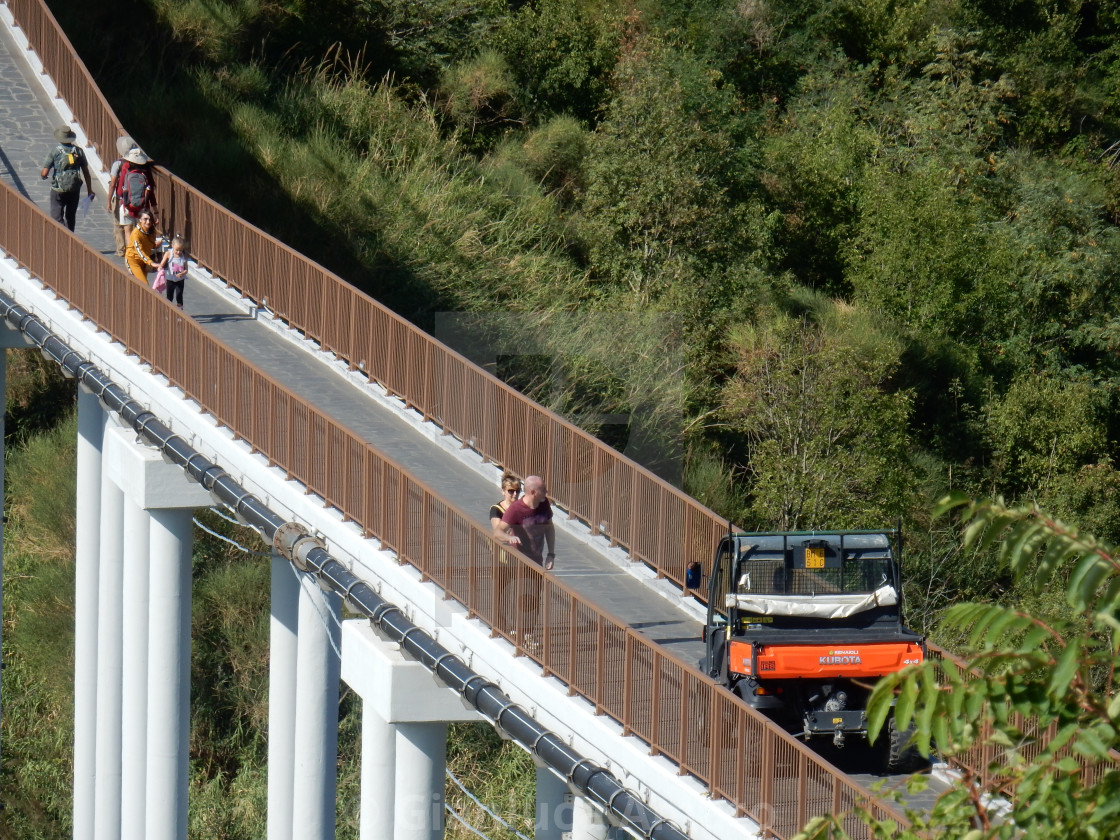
x=307, y=553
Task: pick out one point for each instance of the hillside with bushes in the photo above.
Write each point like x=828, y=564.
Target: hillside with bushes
x=833, y=259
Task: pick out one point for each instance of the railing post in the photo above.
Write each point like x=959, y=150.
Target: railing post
x=765, y=807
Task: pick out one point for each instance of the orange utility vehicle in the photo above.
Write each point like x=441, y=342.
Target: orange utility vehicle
x=801, y=625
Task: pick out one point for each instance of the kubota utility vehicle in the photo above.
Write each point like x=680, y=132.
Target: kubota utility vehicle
x=801, y=625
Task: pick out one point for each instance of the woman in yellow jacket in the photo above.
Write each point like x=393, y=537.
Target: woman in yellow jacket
x=142, y=243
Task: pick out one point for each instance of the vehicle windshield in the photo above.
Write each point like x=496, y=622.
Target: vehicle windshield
x=829, y=566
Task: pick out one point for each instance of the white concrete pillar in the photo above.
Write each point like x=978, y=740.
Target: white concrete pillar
x=283, y=626
x=134, y=694
x=421, y=764
x=316, y=744
x=107, y=785
x=405, y=712
x=169, y=664
x=554, y=806
x=378, y=779
x=91, y=430
x=160, y=494
x=588, y=822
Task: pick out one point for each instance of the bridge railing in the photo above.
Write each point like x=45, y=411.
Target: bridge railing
x=679, y=712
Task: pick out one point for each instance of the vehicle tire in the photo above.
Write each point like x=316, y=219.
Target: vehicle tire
x=901, y=756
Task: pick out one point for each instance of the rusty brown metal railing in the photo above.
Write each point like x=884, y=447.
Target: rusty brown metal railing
x=591, y=481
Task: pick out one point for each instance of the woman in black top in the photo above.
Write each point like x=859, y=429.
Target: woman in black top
x=511, y=490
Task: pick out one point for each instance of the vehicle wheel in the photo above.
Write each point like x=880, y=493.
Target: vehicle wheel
x=901, y=755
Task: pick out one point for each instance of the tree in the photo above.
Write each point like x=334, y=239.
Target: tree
x=562, y=53
x=827, y=433
x=1038, y=693
x=663, y=205
x=1044, y=429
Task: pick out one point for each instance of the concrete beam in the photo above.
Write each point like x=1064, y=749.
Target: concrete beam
x=397, y=689
x=145, y=478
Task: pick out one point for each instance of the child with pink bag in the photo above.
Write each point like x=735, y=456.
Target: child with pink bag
x=172, y=274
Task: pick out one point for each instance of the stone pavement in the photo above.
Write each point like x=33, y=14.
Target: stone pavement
x=28, y=118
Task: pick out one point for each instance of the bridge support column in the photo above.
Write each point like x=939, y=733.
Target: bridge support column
x=405, y=712
x=110, y=635
x=91, y=431
x=588, y=822
x=421, y=764
x=158, y=538
x=315, y=780
x=169, y=663
x=134, y=694
x=284, y=623
x=379, y=768
x=554, y=806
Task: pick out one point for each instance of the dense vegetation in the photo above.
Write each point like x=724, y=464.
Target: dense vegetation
x=836, y=258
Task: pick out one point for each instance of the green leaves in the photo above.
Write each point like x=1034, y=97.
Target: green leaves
x=1031, y=717
x=812, y=395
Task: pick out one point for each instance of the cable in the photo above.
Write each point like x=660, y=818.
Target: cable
x=226, y=539
x=476, y=801
x=217, y=511
x=464, y=823
x=326, y=616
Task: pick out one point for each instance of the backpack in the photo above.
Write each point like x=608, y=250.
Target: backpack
x=133, y=188
x=68, y=161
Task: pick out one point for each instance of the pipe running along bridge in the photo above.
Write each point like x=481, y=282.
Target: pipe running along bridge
x=363, y=451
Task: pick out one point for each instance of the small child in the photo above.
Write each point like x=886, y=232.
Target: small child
x=174, y=265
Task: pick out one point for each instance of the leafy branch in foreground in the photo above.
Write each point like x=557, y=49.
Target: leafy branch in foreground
x=1030, y=717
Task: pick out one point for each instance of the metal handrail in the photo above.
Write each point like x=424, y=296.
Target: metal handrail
x=655, y=522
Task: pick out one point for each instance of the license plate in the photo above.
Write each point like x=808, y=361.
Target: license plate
x=814, y=557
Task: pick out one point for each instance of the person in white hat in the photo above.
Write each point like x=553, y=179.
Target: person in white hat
x=66, y=166
x=133, y=189
x=125, y=144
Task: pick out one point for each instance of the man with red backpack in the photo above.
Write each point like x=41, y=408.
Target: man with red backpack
x=130, y=189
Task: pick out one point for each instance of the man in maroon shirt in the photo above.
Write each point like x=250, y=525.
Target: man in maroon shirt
x=527, y=524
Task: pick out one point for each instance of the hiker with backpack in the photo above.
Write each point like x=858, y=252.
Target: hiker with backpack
x=132, y=187
x=66, y=165
x=125, y=144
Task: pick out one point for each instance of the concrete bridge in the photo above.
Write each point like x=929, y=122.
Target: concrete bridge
x=369, y=497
